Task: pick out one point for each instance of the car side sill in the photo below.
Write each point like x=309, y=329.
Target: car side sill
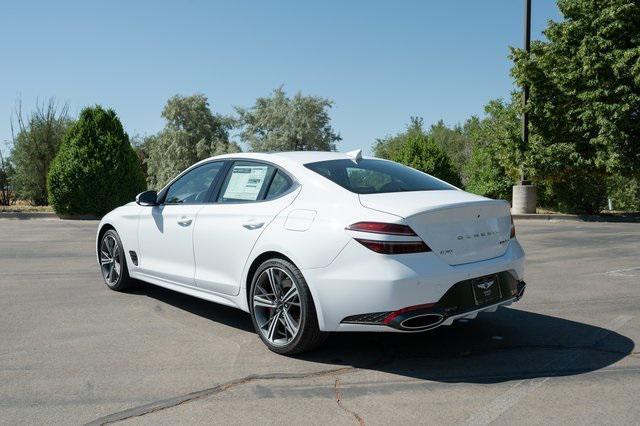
x=188, y=290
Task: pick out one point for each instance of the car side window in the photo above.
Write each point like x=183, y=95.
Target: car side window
x=246, y=181
x=192, y=188
x=279, y=185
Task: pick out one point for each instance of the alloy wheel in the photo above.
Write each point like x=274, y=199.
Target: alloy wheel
x=110, y=259
x=276, y=306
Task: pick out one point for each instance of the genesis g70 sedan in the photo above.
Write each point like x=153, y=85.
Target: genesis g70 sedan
x=316, y=242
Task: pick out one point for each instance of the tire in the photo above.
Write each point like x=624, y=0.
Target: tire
x=115, y=272
x=274, y=315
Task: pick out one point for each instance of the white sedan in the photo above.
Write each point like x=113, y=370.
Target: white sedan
x=315, y=242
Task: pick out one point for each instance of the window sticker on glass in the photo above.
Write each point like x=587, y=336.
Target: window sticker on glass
x=245, y=183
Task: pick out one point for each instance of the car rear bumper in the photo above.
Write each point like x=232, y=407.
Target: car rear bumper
x=360, y=288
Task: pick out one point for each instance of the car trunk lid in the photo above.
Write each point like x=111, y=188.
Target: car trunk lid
x=459, y=227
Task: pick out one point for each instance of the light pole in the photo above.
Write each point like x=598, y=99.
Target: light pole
x=524, y=197
x=525, y=91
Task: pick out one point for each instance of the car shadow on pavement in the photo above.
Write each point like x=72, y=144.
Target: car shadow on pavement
x=509, y=344
x=212, y=311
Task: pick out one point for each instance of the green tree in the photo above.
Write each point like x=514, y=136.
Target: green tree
x=415, y=148
x=280, y=123
x=139, y=144
x=391, y=147
x=485, y=173
x=496, y=160
x=96, y=168
x=455, y=143
x=452, y=140
x=192, y=133
x=585, y=98
x=35, y=144
x=6, y=171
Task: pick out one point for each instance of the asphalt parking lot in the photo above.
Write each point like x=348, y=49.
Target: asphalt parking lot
x=72, y=351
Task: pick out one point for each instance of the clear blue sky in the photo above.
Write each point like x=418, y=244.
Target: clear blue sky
x=380, y=62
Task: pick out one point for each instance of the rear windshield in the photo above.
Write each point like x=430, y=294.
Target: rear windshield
x=369, y=176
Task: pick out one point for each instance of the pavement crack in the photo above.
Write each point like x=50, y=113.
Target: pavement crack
x=182, y=399
x=338, y=393
x=386, y=357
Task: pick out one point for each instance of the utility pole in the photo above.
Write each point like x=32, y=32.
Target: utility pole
x=525, y=92
x=524, y=195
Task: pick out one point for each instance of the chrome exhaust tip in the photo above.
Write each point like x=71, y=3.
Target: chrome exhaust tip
x=421, y=322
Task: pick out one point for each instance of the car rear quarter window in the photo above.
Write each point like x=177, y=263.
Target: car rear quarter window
x=279, y=185
x=371, y=176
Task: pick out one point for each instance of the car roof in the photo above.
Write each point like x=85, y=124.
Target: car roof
x=291, y=161
x=299, y=157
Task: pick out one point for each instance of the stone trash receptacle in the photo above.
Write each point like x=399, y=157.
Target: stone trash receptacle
x=524, y=198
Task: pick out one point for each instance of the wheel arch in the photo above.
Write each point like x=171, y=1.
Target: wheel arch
x=103, y=228
x=259, y=260
x=271, y=254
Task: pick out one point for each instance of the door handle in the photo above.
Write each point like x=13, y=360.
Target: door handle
x=185, y=221
x=253, y=225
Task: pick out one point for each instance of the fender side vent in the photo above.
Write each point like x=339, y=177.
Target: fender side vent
x=134, y=257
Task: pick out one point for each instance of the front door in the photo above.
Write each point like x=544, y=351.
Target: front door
x=165, y=232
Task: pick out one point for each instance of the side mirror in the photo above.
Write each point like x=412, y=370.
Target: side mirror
x=147, y=198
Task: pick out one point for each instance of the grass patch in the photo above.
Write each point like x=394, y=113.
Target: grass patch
x=22, y=207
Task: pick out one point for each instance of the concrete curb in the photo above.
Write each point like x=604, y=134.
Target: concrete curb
x=28, y=215
x=78, y=217
x=44, y=215
x=577, y=218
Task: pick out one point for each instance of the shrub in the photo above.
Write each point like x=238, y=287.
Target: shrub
x=96, y=169
x=583, y=193
x=625, y=193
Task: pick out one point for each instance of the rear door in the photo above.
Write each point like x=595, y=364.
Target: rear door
x=165, y=231
x=250, y=197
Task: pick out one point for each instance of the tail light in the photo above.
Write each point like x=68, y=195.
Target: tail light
x=382, y=228
x=513, y=229
x=394, y=247
x=386, y=246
